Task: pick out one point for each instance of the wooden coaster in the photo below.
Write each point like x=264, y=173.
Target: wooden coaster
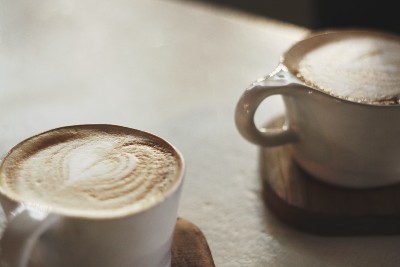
x=189, y=247
x=307, y=204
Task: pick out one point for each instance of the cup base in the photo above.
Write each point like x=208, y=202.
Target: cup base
x=308, y=204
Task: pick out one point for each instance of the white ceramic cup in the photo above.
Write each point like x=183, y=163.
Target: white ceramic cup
x=45, y=238
x=338, y=141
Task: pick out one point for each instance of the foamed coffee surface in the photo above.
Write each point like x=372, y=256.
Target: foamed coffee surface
x=359, y=67
x=89, y=170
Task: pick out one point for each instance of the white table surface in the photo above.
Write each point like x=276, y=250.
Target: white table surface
x=177, y=70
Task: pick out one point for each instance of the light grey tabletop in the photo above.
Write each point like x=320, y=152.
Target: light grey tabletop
x=177, y=70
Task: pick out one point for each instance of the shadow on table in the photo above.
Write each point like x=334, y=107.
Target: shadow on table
x=318, y=14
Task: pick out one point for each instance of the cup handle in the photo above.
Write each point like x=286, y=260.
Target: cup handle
x=22, y=231
x=280, y=82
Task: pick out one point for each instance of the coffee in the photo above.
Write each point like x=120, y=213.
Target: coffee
x=357, y=66
x=91, y=170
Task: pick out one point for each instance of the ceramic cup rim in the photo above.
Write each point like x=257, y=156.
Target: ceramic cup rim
x=16, y=199
x=288, y=58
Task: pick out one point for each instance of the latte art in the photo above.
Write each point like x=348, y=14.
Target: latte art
x=91, y=169
x=360, y=67
x=92, y=160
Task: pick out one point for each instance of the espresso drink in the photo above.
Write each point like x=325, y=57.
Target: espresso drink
x=361, y=67
x=91, y=170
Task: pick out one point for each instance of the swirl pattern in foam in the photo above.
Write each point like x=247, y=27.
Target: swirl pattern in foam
x=360, y=67
x=92, y=169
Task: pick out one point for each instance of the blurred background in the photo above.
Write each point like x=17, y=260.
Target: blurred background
x=320, y=14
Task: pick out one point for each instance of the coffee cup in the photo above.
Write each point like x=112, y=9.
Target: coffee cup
x=341, y=91
x=90, y=195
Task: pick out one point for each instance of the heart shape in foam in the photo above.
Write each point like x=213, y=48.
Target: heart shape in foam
x=97, y=160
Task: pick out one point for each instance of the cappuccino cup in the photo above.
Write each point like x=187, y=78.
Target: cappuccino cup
x=90, y=195
x=341, y=91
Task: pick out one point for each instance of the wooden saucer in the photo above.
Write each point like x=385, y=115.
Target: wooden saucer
x=307, y=204
x=189, y=247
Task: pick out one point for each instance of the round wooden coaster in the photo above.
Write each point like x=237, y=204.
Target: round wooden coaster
x=189, y=246
x=305, y=203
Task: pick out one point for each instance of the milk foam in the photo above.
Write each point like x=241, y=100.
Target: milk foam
x=91, y=170
x=97, y=160
x=359, y=68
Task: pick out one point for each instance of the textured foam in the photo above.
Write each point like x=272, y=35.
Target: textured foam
x=94, y=169
x=360, y=68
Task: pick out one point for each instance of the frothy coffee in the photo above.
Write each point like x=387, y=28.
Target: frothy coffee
x=91, y=170
x=358, y=66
